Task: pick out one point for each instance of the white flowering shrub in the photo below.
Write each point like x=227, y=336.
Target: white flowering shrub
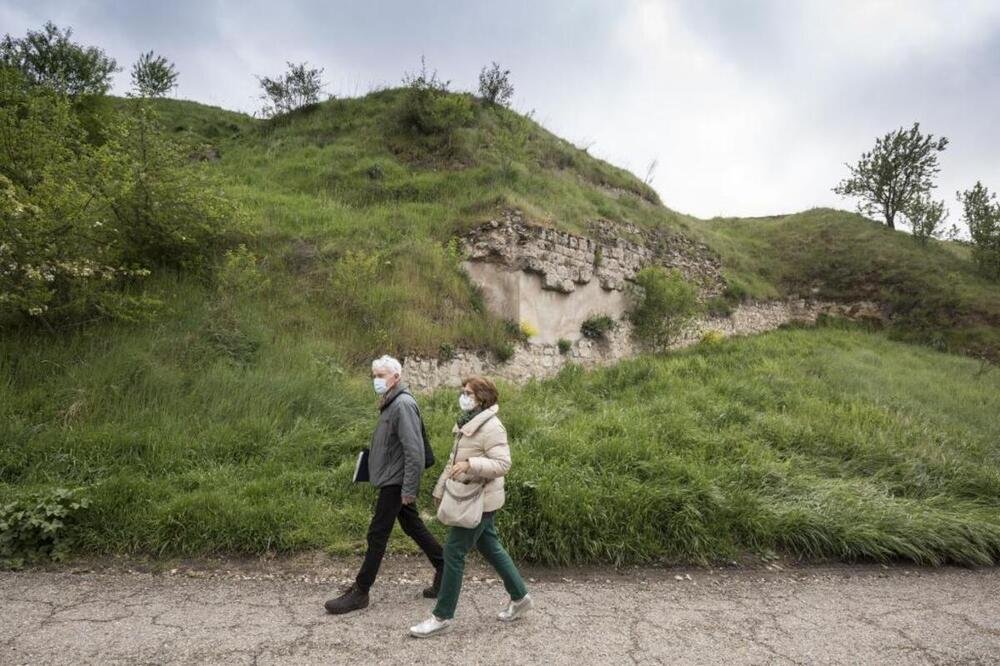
x=79, y=225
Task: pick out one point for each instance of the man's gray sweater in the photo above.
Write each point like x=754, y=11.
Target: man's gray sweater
x=397, y=448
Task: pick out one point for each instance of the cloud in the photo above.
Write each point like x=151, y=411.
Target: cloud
x=750, y=106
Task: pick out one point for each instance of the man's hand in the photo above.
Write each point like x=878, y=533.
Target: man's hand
x=437, y=502
x=409, y=499
x=459, y=468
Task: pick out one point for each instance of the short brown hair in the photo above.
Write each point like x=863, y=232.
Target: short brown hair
x=484, y=390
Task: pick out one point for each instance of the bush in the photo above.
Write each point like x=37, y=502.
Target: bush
x=428, y=109
x=663, y=303
x=296, y=88
x=37, y=526
x=504, y=352
x=495, y=86
x=597, y=327
x=49, y=58
x=564, y=345
x=712, y=338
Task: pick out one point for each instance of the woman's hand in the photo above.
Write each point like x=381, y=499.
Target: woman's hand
x=460, y=467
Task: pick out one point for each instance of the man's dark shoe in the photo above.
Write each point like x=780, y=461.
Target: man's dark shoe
x=352, y=599
x=432, y=591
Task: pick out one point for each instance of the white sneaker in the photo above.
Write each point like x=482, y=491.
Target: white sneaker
x=516, y=609
x=430, y=627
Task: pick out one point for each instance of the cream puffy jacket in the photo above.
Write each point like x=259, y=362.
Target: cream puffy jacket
x=483, y=442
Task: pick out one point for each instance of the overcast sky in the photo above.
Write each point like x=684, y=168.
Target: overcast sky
x=750, y=107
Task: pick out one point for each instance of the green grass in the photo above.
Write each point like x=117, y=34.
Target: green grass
x=826, y=443
x=230, y=423
x=933, y=292
x=306, y=180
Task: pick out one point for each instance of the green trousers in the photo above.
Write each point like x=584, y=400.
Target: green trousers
x=460, y=541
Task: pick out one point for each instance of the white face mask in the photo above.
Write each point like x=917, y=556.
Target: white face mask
x=381, y=385
x=466, y=402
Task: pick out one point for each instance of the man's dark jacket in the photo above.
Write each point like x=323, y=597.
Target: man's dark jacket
x=397, y=448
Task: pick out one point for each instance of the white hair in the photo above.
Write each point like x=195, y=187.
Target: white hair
x=389, y=363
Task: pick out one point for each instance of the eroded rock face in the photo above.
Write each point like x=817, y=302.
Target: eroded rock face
x=612, y=256
x=541, y=360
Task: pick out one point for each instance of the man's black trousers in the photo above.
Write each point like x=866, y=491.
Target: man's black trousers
x=388, y=508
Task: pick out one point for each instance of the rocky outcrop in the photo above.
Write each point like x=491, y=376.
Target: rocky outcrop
x=612, y=255
x=545, y=360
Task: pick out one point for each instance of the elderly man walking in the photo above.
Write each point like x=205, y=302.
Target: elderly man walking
x=395, y=465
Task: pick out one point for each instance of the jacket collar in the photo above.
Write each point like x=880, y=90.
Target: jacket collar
x=391, y=395
x=472, y=426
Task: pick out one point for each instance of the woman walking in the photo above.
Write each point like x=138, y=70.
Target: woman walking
x=480, y=456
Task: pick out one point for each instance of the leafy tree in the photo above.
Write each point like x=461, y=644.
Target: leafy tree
x=294, y=89
x=927, y=218
x=981, y=213
x=663, y=304
x=890, y=179
x=153, y=75
x=495, y=86
x=50, y=58
x=81, y=225
x=58, y=254
x=165, y=208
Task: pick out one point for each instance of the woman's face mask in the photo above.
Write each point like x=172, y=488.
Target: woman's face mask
x=466, y=402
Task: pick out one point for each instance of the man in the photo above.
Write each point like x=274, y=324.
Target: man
x=395, y=465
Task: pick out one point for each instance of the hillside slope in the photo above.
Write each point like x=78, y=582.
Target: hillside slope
x=230, y=423
x=360, y=214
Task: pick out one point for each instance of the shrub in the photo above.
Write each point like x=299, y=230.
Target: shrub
x=504, y=352
x=495, y=86
x=663, y=303
x=712, y=338
x=528, y=330
x=597, y=327
x=428, y=108
x=48, y=58
x=37, y=526
x=446, y=352
x=294, y=89
x=981, y=213
x=564, y=345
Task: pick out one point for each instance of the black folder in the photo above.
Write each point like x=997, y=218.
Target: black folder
x=361, y=468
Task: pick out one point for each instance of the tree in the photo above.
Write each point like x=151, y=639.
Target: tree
x=292, y=90
x=891, y=178
x=79, y=224
x=49, y=58
x=495, y=86
x=981, y=213
x=153, y=76
x=926, y=218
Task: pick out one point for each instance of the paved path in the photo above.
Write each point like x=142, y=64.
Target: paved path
x=270, y=614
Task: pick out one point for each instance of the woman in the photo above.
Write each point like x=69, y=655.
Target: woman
x=480, y=455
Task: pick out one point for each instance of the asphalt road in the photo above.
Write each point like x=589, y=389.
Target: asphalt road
x=272, y=612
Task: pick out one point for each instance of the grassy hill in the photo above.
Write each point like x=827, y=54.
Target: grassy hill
x=230, y=423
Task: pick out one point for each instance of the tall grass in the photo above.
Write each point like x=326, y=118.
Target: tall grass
x=823, y=444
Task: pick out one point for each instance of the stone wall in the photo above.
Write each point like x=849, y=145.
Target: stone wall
x=541, y=360
x=613, y=254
